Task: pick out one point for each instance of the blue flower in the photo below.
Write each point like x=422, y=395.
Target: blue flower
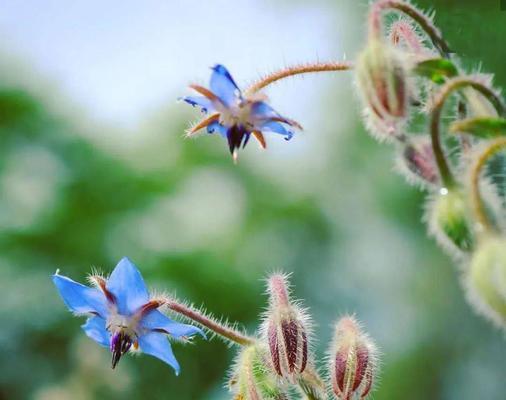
x=121, y=314
x=235, y=115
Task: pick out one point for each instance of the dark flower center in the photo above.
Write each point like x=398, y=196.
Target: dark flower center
x=120, y=344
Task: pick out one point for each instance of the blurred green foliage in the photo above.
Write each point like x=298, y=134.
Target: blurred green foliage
x=355, y=245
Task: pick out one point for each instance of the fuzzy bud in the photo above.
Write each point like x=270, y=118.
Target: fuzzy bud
x=419, y=163
x=383, y=84
x=353, y=360
x=252, y=379
x=449, y=221
x=486, y=278
x=285, y=330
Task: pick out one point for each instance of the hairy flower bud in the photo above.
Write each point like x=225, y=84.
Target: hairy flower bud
x=418, y=162
x=383, y=84
x=353, y=360
x=486, y=278
x=285, y=330
x=252, y=379
x=449, y=221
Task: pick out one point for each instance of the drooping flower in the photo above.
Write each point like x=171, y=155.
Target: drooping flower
x=121, y=314
x=234, y=114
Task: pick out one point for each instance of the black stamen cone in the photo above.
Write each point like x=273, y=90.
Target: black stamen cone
x=120, y=344
x=237, y=135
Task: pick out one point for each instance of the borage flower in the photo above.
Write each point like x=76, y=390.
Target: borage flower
x=234, y=114
x=122, y=315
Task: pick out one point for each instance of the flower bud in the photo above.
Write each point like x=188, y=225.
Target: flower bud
x=353, y=360
x=486, y=278
x=449, y=221
x=383, y=84
x=252, y=378
x=285, y=331
x=418, y=162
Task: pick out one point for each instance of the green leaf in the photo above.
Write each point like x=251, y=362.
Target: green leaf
x=436, y=69
x=482, y=127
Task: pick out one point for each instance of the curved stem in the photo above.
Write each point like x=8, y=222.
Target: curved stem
x=402, y=30
x=450, y=87
x=477, y=202
x=194, y=315
x=297, y=70
x=421, y=19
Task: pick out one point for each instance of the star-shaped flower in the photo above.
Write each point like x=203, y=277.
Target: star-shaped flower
x=234, y=114
x=121, y=314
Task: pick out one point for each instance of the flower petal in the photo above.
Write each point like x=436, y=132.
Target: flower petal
x=204, y=103
x=157, y=345
x=276, y=127
x=79, y=298
x=127, y=286
x=262, y=112
x=222, y=85
x=155, y=320
x=215, y=126
x=95, y=329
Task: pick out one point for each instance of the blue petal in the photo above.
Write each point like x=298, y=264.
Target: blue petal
x=127, y=286
x=222, y=85
x=79, y=298
x=157, y=345
x=204, y=103
x=95, y=329
x=276, y=127
x=216, y=126
x=262, y=110
x=155, y=320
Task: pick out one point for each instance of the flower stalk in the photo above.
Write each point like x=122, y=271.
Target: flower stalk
x=478, y=205
x=425, y=23
x=220, y=329
x=298, y=70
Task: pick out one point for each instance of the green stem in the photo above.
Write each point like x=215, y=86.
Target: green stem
x=224, y=331
x=477, y=201
x=450, y=87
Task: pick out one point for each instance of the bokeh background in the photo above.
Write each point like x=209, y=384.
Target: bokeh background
x=93, y=167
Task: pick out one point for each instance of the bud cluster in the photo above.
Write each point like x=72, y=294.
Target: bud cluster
x=406, y=76
x=281, y=360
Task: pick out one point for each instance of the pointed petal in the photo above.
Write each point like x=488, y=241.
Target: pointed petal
x=95, y=329
x=261, y=139
x=261, y=112
x=155, y=320
x=157, y=345
x=79, y=298
x=127, y=286
x=204, y=103
x=215, y=126
x=276, y=127
x=222, y=85
x=202, y=124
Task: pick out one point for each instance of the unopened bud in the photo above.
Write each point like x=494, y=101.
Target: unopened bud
x=486, y=278
x=419, y=163
x=383, y=83
x=285, y=330
x=449, y=220
x=353, y=362
x=252, y=379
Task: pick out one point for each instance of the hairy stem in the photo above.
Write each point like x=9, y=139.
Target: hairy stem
x=421, y=19
x=298, y=70
x=450, y=87
x=476, y=199
x=195, y=315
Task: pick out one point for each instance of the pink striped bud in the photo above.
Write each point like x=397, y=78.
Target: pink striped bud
x=285, y=330
x=383, y=84
x=353, y=361
x=419, y=163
